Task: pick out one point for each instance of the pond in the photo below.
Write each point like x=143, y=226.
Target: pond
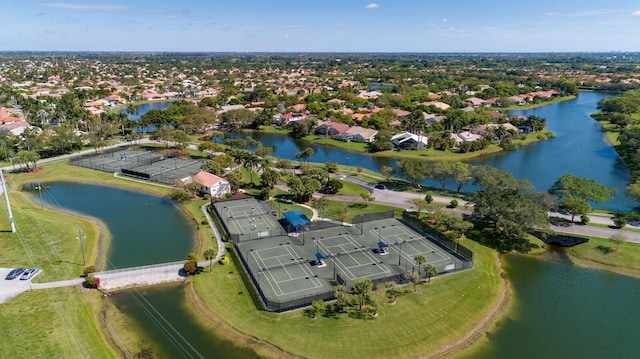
x=145, y=228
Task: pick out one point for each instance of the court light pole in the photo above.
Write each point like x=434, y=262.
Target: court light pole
x=81, y=237
x=400, y=251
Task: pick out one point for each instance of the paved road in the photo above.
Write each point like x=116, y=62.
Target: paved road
x=403, y=200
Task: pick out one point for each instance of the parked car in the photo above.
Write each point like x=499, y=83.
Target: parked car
x=381, y=186
x=15, y=273
x=29, y=273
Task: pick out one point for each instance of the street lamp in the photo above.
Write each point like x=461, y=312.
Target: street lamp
x=81, y=237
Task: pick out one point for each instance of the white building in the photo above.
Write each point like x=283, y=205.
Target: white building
x=211, y=184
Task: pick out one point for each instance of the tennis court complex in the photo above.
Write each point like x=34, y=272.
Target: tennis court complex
x=291, y=270
x=150, y=165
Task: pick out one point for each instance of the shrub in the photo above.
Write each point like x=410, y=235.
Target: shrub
x=89, y=269
x=206, y=197
x=584, y=219
x=453, y=203
x=191, y=267
x=178, y=195
x=92, y=282
x=428, y=198
x=619, y=222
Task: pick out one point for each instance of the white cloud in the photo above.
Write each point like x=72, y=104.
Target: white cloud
x=66, y=5
x=444, y=20
x=635, y=13
x=372, y=6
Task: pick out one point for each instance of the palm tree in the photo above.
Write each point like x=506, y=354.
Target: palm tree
x=430, y=271
x=316, y=307
x=362, y=288
x=420, y=260
x=250, y=162
x=209, y=255
x=321, y=204
x=412, y=277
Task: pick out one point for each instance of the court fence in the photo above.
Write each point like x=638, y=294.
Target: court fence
x=237, y=237
x=273, y=305
x=359, y=220
x=440, y=239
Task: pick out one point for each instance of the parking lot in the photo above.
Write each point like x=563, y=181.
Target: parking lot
x=12, y=288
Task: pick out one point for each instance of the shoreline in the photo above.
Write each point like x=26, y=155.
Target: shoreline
x=488, y=322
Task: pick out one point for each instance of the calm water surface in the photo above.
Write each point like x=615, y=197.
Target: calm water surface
x=580, y=148
x=564, y=311
x=145, y=228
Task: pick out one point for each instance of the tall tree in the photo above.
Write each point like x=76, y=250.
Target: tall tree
x=430, y=271
x=419, y=259
x=210, y=255
x=413, y=170
x=362, y=288
x=575, y=193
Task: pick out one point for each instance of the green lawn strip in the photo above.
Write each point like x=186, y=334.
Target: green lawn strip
x=48, y=240
x=419, y=323
x=285, y=207
x=611, y=131
x=349, y=188
x=534, y=105
x=53, y=323
x=601, y=253
x=336, y=210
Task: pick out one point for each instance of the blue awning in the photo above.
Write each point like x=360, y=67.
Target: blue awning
x=296, y=218
x=382, y=244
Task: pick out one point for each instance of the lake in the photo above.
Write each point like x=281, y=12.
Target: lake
x=580, y=148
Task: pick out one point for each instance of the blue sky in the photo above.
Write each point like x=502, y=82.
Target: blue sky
x=321, y=25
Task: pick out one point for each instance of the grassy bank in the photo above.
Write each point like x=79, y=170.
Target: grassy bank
x=608, y=255
x=429, y=154
x=65, y=322
x=535, y=105
x=420, y=324
x=54, y=323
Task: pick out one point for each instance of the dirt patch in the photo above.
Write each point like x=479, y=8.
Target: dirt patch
x=261, y=347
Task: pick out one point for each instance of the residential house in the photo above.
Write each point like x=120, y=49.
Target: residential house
x=465, y=136
x=408, y=140
x=476, y=102
x=361, y=134
x=331, y=128
x=15, y=128
x=211, y=184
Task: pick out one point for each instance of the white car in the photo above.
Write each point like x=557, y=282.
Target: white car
x=29, y=273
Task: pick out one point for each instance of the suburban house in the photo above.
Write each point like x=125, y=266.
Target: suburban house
x=476, y=102
x=361, y=134
x=465, y=136
x=408, y=140
x=15, y=128
x=211, y=184
x=331, y=128
x=289, y=118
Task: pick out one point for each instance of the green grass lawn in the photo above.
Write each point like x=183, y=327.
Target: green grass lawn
x=601, y=253
x=352, y=189
x=53, y=323
x=336, y=210
x=440, y=314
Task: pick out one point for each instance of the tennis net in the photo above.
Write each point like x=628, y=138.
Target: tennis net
x=283, y=265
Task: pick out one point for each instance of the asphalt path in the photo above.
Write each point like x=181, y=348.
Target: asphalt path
x=403, y=200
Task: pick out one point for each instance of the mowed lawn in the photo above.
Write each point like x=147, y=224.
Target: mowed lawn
x=53, y=323
x=440, y=314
